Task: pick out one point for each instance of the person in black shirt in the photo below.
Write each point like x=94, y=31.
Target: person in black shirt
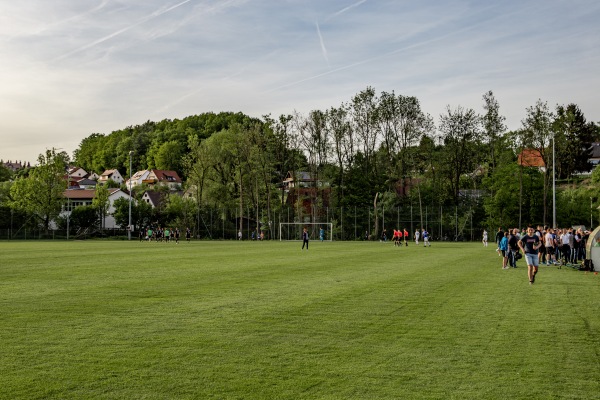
x=529, y=245
x=499, y=236
x=513, y=248
x=305, y=239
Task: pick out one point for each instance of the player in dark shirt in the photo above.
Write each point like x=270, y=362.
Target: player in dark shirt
x=529, y=244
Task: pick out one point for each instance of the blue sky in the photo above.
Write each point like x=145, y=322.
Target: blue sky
x=72, y=68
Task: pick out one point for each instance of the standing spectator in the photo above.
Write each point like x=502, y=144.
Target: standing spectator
x=548, y=247
x=503, y=246
x=499, y=236
x=305, y=239
x=513, y=247
x=566, y=246
x=529, y=245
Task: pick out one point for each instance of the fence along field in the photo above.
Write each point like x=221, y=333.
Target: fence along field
x=116, y=319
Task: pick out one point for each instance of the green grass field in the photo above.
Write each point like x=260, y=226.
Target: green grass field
x=248, y=320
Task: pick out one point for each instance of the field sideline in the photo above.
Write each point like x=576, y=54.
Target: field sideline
x=264, y=320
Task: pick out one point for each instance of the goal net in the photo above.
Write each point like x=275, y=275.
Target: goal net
x=293, y=230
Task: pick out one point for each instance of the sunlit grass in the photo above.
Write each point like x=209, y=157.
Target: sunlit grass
x=265, y=320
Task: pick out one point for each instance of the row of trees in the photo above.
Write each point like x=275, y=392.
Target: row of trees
x=374, y=152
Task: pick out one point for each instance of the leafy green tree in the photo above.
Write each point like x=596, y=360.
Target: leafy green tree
x=5, y=173
x=141, y=213
x=101, y=203
x=493, y=127
x=574, y=138
x=461, y=133
x=180, y=211
x=83, y=217
x=41, y=193
x=168, y=156
x=537, y=134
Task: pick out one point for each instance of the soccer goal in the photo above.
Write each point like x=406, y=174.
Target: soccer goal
x=293, y=230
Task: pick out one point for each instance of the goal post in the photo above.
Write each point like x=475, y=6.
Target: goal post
x=292, y=231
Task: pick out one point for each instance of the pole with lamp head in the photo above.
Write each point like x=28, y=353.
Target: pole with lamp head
x=68, y=198
x=129, y=226
x=553, y=185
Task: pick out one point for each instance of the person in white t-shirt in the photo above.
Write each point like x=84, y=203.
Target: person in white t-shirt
x=549, y=244
x=566, y=245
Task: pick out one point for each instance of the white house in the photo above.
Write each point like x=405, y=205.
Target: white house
x=155, y=177
x=77, y=172
x=137, y=179
x=84, y=197
x=111, y=174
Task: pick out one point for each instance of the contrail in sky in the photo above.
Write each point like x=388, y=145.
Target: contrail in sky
x=155, y=14
x=343, y=10
x=323, y=49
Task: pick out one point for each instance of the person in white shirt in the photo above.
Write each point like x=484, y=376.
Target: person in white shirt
x=417, y=235
x=549, y=244
x=566, y=246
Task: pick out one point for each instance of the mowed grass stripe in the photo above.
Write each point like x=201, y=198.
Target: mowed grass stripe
x=266, y=320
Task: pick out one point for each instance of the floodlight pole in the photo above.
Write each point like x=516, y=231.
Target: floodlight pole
x=553, y=185
x=68, y=198
x=129, y=226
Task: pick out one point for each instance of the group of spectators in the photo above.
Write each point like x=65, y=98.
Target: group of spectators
x=558, y=246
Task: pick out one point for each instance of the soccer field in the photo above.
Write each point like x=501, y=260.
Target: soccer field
x=265, y=320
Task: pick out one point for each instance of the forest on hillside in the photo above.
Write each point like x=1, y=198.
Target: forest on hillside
x=376, y=153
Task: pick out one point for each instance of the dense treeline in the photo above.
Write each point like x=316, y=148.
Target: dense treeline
x=372, y=153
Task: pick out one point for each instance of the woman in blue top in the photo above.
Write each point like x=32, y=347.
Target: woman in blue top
x=503, y=246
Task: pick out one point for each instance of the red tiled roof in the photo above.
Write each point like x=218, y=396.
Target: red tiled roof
x=531, y=158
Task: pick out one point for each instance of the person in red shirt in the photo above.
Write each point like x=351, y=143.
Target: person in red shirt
x=405, y=237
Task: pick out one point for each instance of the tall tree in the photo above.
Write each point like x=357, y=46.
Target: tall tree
x=101, y=203
x=493, y=127
x=461, y=133
x=538, y=135
x=574, y=138
x=41, y=193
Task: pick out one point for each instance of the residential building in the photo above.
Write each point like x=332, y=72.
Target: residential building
x=532, y=158
x=77, y=172
x=84, y=197
x=155, y=177
x=110, y=174
x=15, y=166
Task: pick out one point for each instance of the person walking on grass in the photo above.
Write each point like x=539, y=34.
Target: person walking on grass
x=529, y=245
x=305, y=238
x=417, y=236
x=513, y=247
x=405, y=237
x=485, y=238
x=426, y=238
